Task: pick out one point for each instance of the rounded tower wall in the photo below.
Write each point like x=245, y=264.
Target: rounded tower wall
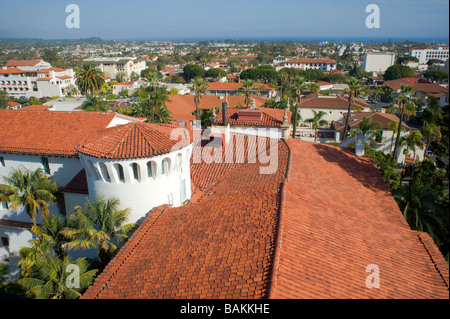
x=141, y=184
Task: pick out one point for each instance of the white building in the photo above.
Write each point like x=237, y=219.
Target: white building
x=306, y=64
x=435, y=53
x=25, y=79
x=334, y=106
x=112, y=66
x=378, y=62
x=91, y=154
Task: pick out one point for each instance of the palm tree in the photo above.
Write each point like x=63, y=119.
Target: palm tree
x=420, y=206
x=316, y=121
x=96, y=226
x=297, y=86
x=355, y=87
x=95, y=104
x=153, y=77
x=52, y=232
x=4, y=99
x=33, y=189
x=412, y=142
x=89, y=78
x=367, y=127
x=404, y=106
x=51, y=279
x=247, y=86
x=200, y=85
x=394, y=127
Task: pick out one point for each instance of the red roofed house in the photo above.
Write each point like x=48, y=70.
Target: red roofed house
x=260, y=220
x=48, y=140
x=315, y=64
x=334, y=107
x=35, y=78
x=291, y=234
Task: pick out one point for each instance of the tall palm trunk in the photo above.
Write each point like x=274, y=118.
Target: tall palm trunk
x=397, y=140
x=350, y=102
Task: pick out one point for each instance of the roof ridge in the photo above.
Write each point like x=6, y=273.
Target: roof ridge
x=431, y=258
x=279, y=228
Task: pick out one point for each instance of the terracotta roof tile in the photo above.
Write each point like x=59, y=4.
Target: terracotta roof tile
x=219, y=247
x=78, y=184
x=307, y=231
x=133, y=140
x=47, y=133
x=339, y=218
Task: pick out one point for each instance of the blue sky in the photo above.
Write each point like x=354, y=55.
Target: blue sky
x=213, y=19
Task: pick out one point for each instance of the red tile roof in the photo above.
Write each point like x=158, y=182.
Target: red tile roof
x=34, y=108
x=182, y=106
x=14, y=71
x=133, y=140
x=307, y=231
x=319, y=101
x=340, y=217
x=270, y=117
x=22, y=63
x=383, y=118
x=47, y=133
x=219, y=247
x=78, y=184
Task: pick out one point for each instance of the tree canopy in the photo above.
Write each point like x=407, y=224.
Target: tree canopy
x=398, y=71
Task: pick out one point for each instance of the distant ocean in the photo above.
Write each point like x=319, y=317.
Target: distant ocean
x=299, y=39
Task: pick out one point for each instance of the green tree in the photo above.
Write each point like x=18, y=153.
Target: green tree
x=398, y=71
x=35, y=190
x=97, y=225
x=247, y=87
x=354, y=89
x=412, y=142
x=214, y=73
x=404, y=104
x=151, y=76
x=191, y=71
x=51, y=279
x=95, y=104
x=89, y=78
x=369, y=128
x=420, y=206
x=4, y=99
x=317, y=121
x=199, y=85
x=436, y=75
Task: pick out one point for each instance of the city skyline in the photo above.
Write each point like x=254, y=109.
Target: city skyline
x=178, y=20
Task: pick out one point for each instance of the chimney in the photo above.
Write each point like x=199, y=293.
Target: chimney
x=225, y=111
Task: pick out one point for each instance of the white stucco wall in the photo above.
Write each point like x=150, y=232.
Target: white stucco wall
x=147, y=192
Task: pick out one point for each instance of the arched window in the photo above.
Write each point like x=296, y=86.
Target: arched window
x=165, y=167
x=136, y=171
x=150, y=169
x=120, y=173
x=104, y=171
x=179, y=162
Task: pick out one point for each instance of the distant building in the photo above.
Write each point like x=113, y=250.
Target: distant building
x=378, y=62
x=425, y=55
x=112, y=66
x=35, y=78
x=306, y=64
